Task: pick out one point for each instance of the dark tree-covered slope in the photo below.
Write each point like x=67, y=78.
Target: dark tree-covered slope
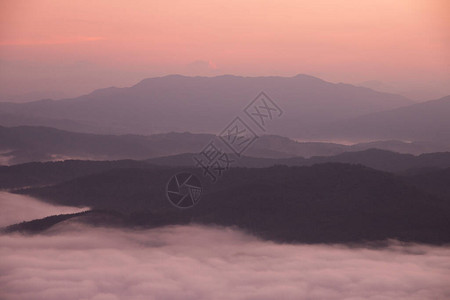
x=322, y=203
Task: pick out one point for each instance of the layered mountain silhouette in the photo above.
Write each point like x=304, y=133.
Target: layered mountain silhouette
x=201, y=104
x=374, y=158
x=133, y=140
x=428, y=121
x=322, y=203
x=28, y=143
x=37, y=174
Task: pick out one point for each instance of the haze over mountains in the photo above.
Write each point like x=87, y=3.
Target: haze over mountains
x=48, y=173
x=281, y=189
x=119, y=181
x=28, y=143
x=201, y=104
x=427, y=121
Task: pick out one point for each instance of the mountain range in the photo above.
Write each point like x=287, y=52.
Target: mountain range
x=201, y=104
x=36, y=174
x=29, y=143
x=133, y=140
x=324, y=203
x=428, y=121
x=374, y=158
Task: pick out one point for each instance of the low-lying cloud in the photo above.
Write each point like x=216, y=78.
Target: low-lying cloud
x=73, y=261
x=18, y=208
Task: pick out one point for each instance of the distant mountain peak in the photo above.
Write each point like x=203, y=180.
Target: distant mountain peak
x=202, y=104
x=309, y=77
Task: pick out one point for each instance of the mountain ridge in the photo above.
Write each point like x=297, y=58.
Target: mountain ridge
x=37, y=143
x=37, y=174
x=285, y=204
x=200, y=104
x=425, y=121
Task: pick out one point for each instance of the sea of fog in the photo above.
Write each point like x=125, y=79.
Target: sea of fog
x=74, y=261
x=17, y=208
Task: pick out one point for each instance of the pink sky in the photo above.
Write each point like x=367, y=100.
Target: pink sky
x=71, y=47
